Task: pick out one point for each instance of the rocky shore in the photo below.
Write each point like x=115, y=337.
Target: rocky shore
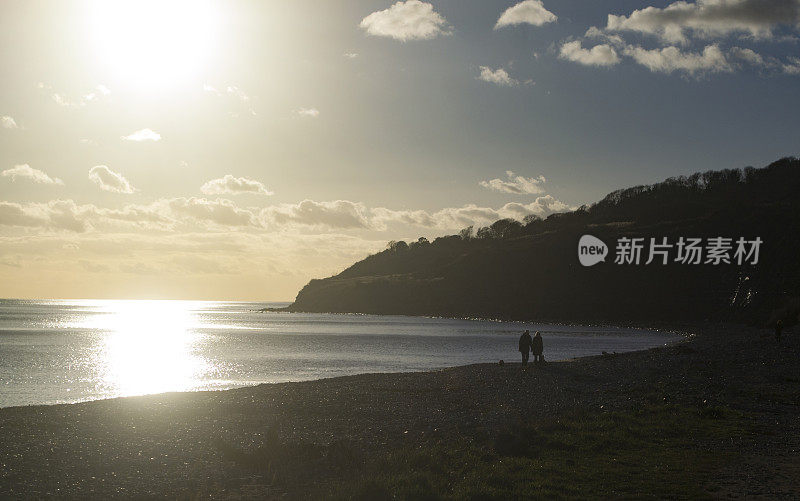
x=712, y=416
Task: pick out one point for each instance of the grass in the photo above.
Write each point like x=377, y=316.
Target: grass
x=657, y=451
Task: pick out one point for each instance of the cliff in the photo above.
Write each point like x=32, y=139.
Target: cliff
x=530, y=270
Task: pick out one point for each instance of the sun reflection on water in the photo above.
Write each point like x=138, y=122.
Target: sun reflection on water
x=149, y=347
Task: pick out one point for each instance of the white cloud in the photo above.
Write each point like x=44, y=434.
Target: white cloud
x=350, y=55
x=56, y=214
x=542, y=206
x=25, y=171
x=239, y=93
x=236, y=96
x=67, y=215
x=670, y=59
x=234, y=185
x=526, y=12
x=792, y=67
x=498, y=77
x=211, y=89
x=712, y=59
x=453, y=218
x=143, y=135
x=62, y=100
x=63, y=214
x=108, y=180
x=220, y=211
x=8, y=122
x=151, y=216
x=184, y=214
x=200, y=216
x=187, y=214
x=516, y=184
x=709, y=18
x=611, y=39
x=307, y=112
x=747, y=56
x=382, y=215
x=409, y=20
x=14, y=214
x=335, y=214
x=100, y=91
x=599, y=55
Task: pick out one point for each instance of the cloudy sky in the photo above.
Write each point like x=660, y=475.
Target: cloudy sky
x=235, y=150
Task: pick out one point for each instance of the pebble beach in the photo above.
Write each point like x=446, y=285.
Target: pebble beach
x=205, y=444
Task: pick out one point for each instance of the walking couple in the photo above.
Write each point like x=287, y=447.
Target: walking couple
x=528, y=344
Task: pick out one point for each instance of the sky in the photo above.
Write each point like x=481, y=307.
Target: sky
x=235, y=150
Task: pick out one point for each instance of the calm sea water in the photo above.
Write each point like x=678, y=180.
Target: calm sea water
x=71, y=351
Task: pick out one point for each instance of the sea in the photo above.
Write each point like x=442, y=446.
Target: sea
x=66, y=351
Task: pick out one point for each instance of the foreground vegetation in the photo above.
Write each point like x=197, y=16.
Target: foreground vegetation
x=657, y=451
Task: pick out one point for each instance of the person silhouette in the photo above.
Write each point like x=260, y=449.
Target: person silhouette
x=525, y=346
x=537, y=347
x=778, y=330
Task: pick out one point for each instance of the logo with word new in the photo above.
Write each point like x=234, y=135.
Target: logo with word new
x=591, y=250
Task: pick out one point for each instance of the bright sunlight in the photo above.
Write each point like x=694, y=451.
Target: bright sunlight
x=151, y=44
x=150, y=348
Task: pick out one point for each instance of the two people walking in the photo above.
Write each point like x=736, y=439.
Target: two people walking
x=528, y=345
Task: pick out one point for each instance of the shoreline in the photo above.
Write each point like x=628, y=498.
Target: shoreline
x=704, y=408
x=654, y=326
x=682, y=335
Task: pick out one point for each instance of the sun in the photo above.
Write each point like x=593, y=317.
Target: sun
x=154, y=44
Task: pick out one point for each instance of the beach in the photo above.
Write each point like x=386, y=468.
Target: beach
x=711, y=416
x=289, y=250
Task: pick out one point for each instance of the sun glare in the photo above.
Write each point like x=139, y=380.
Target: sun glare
x=150, y=348
x=154, y=44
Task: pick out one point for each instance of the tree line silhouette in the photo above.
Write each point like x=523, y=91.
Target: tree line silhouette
x=529, y=270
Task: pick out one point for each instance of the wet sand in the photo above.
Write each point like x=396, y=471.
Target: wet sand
x=193, y=445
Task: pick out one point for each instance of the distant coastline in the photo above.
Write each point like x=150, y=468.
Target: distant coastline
x=679, y=328
x=515, y=270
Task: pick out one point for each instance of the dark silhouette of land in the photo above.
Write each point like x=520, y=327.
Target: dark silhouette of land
x=530, y=270
x=713, y=416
